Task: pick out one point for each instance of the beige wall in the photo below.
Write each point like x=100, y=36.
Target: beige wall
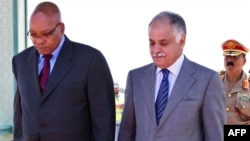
x=11, y=38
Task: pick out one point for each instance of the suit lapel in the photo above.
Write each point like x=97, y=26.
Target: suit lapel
x=183, y=82
x=61, y=68
x=32, y=72
x=148, y=86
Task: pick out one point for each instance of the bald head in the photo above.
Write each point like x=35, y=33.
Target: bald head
x=49, y=9
x=46, y=27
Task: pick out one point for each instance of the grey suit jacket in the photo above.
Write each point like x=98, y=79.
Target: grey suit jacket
x=77, y=104
x=195, y=110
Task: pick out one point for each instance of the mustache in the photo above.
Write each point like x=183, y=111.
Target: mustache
x=230, y=63
x=159, y=54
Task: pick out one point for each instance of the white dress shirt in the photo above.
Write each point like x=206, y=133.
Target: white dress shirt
x=174, y=70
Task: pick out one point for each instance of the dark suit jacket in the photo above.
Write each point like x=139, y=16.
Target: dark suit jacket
x=195, y=110
x=77, y=104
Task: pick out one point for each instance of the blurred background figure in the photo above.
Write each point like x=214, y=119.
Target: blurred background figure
x=236, y=82
x=119, y=101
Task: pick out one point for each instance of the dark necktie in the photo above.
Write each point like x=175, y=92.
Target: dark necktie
x=162, y=96
x=44, y=74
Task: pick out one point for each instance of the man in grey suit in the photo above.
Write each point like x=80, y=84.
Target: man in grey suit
x=77, y=103
x=195, y=109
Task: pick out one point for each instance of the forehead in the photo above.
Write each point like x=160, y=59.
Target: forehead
x=160, y=30
x=40, y=21
x=40, y=17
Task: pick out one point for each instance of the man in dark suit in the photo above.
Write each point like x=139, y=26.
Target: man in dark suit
x=77, y=102
x=192, y=102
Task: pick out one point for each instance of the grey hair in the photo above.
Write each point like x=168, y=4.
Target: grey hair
x=174, y=19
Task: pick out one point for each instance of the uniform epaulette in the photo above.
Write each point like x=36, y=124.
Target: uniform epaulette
x=222, y=74
x=245, y=83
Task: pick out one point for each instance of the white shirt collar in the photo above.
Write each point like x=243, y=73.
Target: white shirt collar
x=175, y=67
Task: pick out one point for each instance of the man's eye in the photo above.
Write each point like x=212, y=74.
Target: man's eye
x=163, y=44
x=33, y=35
x=151, y=43
x=46, y=34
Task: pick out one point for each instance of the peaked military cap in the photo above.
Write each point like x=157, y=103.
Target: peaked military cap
x=233, y=47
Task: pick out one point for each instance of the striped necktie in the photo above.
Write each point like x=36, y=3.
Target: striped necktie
x=162, y=97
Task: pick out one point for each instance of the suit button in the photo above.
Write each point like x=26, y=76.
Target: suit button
x=229, y=95
x=227, y=109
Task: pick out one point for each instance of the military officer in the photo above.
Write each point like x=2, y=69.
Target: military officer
x=236, y=82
